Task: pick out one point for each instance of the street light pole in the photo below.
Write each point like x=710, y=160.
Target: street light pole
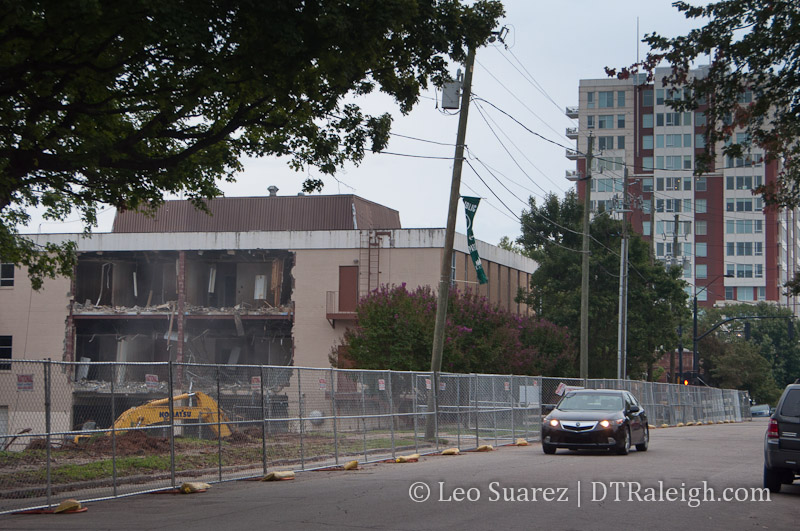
x=695, y=359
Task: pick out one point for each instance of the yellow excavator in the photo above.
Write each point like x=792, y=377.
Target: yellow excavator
x=205, y=410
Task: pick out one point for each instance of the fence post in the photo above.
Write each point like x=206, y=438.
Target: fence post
x=434, y=381
x=333, y=413
x=477, y=414
x=416, y=412
x=302, y=422
x=391, y=411
x=47, y=427
x=511, y=403
x=493, y=379
x=219, y=430
x=363, y=414
x=263, y=423
x=458, y=412
x=171, y=390
x=113, y=432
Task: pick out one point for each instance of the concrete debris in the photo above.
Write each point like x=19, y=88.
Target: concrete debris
x=239, y=309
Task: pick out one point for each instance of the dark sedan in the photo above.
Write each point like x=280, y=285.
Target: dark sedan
x=592, y=419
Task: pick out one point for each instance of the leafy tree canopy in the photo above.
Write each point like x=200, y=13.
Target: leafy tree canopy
x=551, y=233
x=769, y=339
x=121, y=102
x=753, y=49
x=395, y=331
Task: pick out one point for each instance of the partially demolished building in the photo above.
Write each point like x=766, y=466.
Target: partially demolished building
x=271, y=280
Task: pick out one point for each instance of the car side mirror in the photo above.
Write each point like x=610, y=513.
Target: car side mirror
x=635, y=409
x=547, y=408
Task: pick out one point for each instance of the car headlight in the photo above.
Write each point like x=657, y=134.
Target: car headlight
x=605, y=423
x=554, y=423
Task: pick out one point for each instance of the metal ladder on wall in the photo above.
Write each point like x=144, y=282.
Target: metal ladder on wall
x=369, y=262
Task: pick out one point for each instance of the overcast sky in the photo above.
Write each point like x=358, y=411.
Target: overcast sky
x=551, y=46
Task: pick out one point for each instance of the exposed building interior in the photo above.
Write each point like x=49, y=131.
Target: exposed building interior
x=201, y=307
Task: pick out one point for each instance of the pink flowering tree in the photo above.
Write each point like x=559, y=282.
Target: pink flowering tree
x=395, y=331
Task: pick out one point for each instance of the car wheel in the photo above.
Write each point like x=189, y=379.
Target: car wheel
x=549, y=449
x=625, y=447
x=642, y=446
x=772, y=479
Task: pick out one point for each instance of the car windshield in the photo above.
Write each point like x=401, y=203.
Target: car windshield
x=758, y=408
x=590, y=402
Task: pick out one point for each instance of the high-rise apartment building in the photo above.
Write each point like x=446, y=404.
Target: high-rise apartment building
x=731, y=248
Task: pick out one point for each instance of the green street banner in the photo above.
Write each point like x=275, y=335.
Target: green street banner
x=470, y=207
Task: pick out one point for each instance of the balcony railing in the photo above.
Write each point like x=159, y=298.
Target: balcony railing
x=333, y=309
x=572, y=154
x=572, y=112
x=572, y=133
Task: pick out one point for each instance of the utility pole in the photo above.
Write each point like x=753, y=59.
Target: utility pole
x=585, y=266
x=449, y=237
x=622, y=330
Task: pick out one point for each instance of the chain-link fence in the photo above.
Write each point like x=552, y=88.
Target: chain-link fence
x=97, y=430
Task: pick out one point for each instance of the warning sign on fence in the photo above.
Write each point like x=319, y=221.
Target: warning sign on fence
x=151, y=381
x=381, y=384
x=24, y=382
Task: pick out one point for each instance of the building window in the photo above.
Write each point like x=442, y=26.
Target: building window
x=6, y=275
x=744, y=205
x=620, y=98
x=647, y=98
x=701, y=185
x=606, y=100
x=605, y=121
x=699, y=119
x=647, y=142
x=621, y=121
x=5, y=352
x=702, y=295
x=672, y=119
x=730, y=227
x=701, y=249
x=744, y=270
x=758, y=249
x=621, y=142
x=659, y=96
x=729, y=182
x=660, y=119
x=762, y=293
x=687, y=162
x=673, y=162
x=744, y=293
x=700, y=226
x=759, y=271
x=647, y=121
x=744, y=248
x=605, y=142
x=647, y=163
x=744, y=182
x=730, y=269
x=701, y=270
x=590, y=122
x=672, y=183
x=701, y=206
x=590, y=100
x=647, y=184
x=730, y=249
x=673, y=141
x=700, y=141
x=758, y=226
x=728, y=293
x=646, y=228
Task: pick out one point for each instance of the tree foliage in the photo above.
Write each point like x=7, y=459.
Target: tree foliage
x=121, y=102
x=656, y=301
x=395, y=331
x=777, y=356
x=753, y=46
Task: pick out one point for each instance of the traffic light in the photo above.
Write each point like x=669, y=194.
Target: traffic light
x=685, y=381
x=747, y=330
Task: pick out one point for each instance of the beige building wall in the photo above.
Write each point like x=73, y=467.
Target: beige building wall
x=36, y=321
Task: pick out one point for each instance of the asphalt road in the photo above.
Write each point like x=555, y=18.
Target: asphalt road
x=512, y=487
